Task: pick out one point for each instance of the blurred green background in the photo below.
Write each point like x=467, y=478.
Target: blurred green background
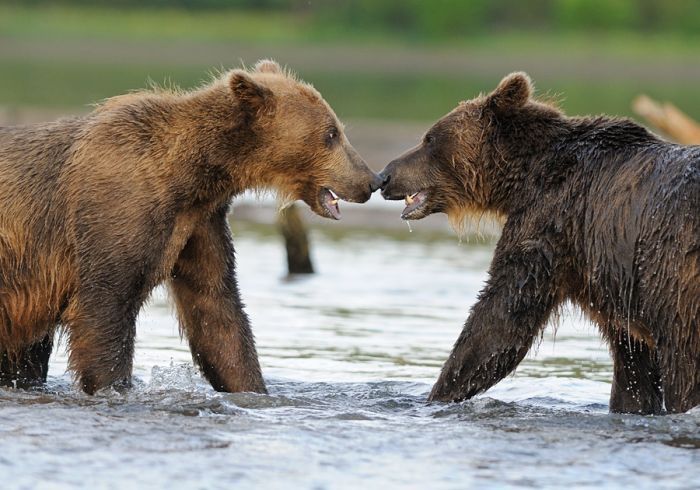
x=407, y=60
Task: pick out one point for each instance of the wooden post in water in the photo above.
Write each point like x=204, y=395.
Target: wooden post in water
x=668, y=118
x=296, y=240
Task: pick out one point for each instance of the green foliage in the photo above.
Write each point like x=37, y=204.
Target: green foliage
x=135, y=44
x=444, y=19
x=57, y=22
x=597, y=14
x=77, y=84
x=412, y=18
x=167, y=4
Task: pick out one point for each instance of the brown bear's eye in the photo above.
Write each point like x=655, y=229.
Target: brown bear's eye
x=332, y=136
x=429, y=139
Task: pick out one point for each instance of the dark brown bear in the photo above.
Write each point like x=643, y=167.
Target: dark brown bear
x=598, y=211
x=96, y=211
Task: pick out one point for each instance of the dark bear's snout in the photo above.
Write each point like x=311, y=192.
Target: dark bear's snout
x=391, y=180
x=386, y=176
x=409, y=178
x=377, y=183
x=404, y=175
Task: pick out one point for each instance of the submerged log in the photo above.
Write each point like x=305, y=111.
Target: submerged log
x=296, y=240
x=669, y=119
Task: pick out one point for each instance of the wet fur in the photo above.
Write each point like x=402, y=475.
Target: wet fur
x=96, y=211
x=599, y=212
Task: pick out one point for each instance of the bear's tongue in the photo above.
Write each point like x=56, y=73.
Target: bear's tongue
x=413, y=202
x=330, y=202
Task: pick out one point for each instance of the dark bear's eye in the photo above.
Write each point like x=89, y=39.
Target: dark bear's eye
x=332, y=136
x=429, y=139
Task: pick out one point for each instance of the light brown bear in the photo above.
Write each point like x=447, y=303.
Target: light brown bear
x=96, y=211
x=598, y=211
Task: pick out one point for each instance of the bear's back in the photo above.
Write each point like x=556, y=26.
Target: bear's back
x=641, y=233
x=32, y=154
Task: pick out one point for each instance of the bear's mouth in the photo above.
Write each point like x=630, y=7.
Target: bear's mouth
x=414, y=204
x=329, y=202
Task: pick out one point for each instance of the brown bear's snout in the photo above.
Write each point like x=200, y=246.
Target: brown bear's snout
x=359, y=180
x=363, y=191
x=352, y=181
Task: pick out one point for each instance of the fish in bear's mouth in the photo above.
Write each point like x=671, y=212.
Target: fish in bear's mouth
x=414, y=202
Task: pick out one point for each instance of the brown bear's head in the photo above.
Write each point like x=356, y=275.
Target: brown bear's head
x=300, y=149
x=458, y=165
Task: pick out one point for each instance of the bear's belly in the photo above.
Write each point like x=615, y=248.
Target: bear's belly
x=32, y=298
x=613, y=324
x=183, y=228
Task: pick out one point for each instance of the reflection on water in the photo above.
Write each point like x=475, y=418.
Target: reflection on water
x=349, y=355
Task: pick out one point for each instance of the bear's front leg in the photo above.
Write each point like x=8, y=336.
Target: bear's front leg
x=509, y=315
x=210, y=310
x=636, y=386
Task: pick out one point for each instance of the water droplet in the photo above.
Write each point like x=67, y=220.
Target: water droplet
x=408, y=223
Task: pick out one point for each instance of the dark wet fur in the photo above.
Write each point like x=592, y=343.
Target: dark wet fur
x=599, y=212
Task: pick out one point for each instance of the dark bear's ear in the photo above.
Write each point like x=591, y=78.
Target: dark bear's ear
x=513, y=91
x=253, y=97
x=267, y=66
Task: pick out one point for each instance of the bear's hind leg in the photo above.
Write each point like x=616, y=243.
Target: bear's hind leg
x=681, y=380
x=29, y=367
x=102, y=331
x=636, y=386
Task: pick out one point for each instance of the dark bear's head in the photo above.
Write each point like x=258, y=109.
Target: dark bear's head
x=300, y=148
x=457, y=167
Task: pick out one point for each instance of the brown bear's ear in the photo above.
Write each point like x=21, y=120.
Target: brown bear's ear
x=252, y=97
x=267, y=66
x=513, y=91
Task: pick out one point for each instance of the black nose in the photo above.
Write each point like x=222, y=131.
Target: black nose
x=384, y=178
x=377, y=182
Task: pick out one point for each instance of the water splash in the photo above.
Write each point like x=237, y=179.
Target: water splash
x=348, y=376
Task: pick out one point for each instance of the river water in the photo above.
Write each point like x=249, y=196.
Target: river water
x=349, y=355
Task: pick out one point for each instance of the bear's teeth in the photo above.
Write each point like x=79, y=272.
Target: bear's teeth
x=335, y=196
x=334, y=202
x=409, y=199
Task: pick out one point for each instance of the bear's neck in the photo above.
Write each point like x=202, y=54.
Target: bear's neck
x=532, y=157
x=215, y=145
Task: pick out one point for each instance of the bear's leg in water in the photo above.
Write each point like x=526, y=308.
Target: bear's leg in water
x=511, y=312
x=210, y=310
x=29, y=367
x=636, y=385
x=102, y=330
x=681, y=380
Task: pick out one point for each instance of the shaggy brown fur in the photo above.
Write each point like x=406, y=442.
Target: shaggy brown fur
x=96, y=211
x=598, y=211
